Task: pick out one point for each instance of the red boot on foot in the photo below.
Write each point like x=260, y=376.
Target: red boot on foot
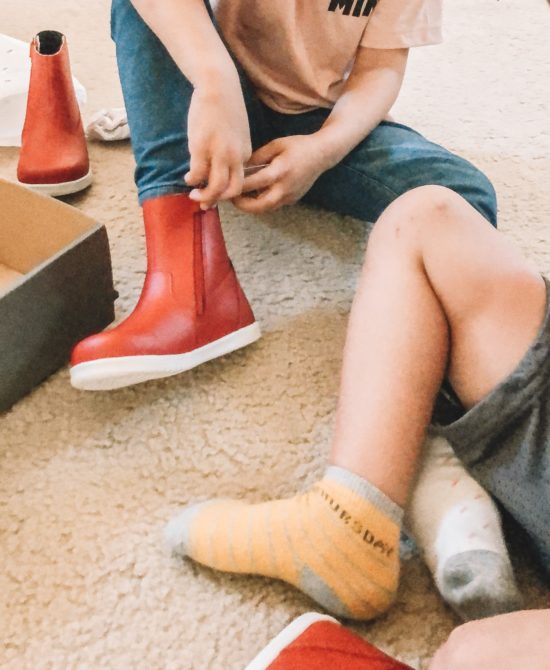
x=318, y=642
x=54, y=155
x=192, y=308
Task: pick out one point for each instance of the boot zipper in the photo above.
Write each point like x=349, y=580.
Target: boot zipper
x=198, y=263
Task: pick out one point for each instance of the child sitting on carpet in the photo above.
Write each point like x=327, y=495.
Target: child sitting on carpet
x=442, y=296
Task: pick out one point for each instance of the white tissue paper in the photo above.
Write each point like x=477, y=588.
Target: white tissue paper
x=15, y=68
x=109, y=125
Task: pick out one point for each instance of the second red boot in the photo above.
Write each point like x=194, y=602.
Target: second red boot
x=54, y=156
x=318, y=642
x=192, y=308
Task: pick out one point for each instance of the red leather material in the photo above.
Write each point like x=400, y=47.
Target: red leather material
x=53, y=147
x=191, y=295
x=225, y=299
x=246, y=315
x=328, y=645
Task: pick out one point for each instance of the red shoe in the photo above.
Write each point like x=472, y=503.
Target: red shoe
x=54, y=155
x=318, y=642
x=192, y=307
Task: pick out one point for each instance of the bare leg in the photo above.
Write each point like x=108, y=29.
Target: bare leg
x=440, y=290
x=414, y=316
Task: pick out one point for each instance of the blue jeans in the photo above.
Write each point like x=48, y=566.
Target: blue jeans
x=392, y=160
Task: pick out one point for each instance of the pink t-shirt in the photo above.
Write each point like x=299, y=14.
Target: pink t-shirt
x=298, y=53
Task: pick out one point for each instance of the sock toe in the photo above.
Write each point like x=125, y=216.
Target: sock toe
x=479, y=584
x=177, y=530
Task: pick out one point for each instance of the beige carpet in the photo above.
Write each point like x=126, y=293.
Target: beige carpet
x=88, y=480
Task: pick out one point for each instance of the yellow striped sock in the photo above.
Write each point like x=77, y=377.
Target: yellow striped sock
x=338, y=542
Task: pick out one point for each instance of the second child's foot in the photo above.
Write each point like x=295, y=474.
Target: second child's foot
x=479, y=584
x=338, y=542
x=457, y=526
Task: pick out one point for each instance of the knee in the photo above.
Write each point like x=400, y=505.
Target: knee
x=428, y=205
x=412, y=216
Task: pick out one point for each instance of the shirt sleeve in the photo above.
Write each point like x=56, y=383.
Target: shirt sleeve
x=396, y=24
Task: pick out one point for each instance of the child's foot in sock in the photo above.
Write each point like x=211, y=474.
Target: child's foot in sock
x=479, y=584
x=457, y=526
x=338, y=542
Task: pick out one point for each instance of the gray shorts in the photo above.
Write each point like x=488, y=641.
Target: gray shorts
x=504, y=441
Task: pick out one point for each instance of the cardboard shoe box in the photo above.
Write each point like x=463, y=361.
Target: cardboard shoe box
x=56, y=286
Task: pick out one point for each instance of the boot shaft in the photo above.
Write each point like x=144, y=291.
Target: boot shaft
x=188, y=245
x=191, y=308
x=54, y=155
x=184, y=241
x=52, y=99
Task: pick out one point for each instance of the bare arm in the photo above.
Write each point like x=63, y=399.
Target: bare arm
x=187, y=32
x=369, y=94
x=297, y=161
x=217, y=123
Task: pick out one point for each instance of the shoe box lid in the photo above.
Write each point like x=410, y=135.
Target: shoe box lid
x=56, y=286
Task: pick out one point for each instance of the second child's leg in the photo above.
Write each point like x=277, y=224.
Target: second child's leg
x=440, y=291
x=436, y=272
x=494, y=304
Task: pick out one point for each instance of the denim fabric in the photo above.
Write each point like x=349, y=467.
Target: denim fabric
x=392, y=160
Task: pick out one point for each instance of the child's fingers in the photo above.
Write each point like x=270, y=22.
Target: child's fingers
x=235, y=187
x=262, y=179
x=198, y=172
x=267, y=201
x=218, y=180
x=266, y=153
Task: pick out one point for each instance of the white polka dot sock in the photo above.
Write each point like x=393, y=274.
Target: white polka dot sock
x=457, y=527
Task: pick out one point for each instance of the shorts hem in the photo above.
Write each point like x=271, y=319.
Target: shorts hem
x=514, y=396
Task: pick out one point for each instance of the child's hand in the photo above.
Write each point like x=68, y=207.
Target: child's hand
x=219, y=143
x=294, y=164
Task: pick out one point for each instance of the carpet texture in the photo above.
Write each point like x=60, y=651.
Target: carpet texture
x=88, y=480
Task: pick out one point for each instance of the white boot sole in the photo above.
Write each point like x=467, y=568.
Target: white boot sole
x=106, y=374
x=63, y=188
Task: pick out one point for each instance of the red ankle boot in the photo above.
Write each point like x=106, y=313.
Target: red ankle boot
x=192, y=307
x=54, y=155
